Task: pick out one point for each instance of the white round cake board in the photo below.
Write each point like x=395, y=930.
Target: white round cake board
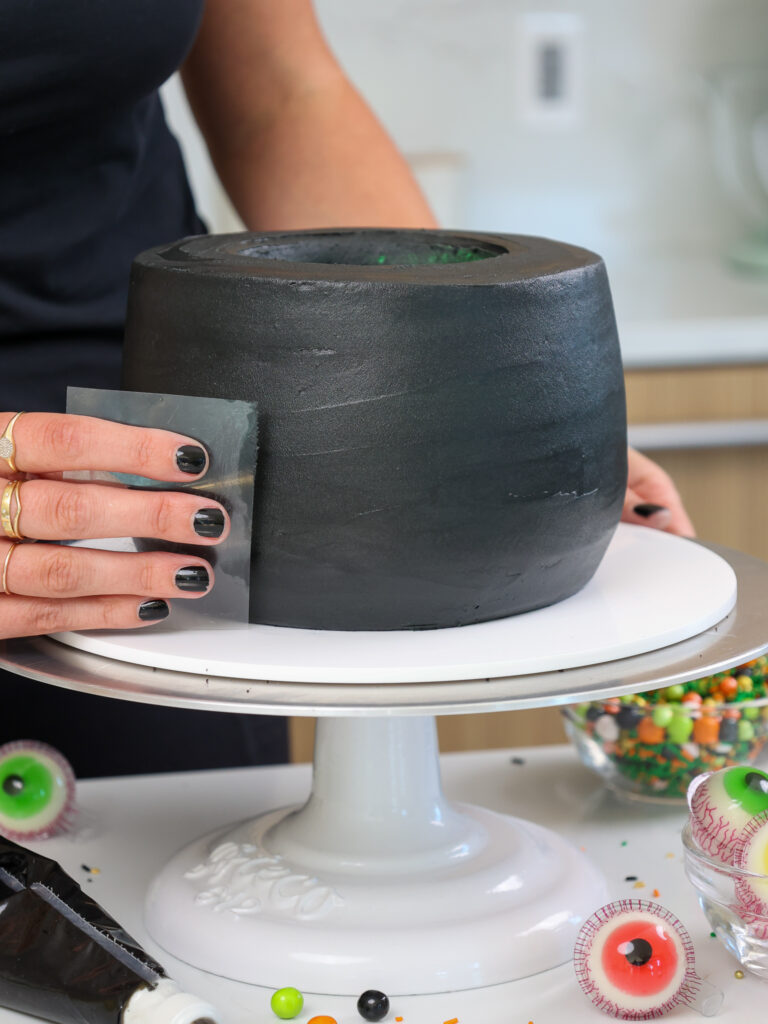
x=651, y=590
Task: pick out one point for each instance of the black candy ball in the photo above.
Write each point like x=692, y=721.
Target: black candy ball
x=729, y=731
x=629, y=716
x=373, y=1005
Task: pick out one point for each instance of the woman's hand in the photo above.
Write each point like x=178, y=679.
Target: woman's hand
x=652, y=498
x=49, y=587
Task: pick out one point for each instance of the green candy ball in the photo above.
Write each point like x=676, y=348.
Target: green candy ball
x=676, y=692
x=680, y=728
x=287, y=1003
x=662, y=715
x=746, y=730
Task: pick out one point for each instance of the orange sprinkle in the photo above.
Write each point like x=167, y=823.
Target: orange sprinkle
x=656, y=894
x=398, y=1018
x=322, y=1020
x=453, y=1020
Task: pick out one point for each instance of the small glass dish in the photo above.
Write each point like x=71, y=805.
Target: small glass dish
x=648, y=749
x=723, y=892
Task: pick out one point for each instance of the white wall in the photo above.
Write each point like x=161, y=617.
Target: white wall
x=631, y=171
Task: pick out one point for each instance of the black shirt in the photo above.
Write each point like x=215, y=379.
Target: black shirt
x=89, y=176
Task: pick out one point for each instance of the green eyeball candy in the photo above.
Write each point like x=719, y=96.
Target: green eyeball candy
x=287, y=1003
x=722, y=803
x=37, y=791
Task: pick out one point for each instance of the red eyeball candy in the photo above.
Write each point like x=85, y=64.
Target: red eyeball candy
x=635, y=960
x=722, y=804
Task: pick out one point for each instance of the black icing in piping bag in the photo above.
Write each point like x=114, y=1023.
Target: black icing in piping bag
x=64, y=958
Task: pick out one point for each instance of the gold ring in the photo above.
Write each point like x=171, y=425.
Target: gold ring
x=9, y=517
x=7, y=444
x=6, y=563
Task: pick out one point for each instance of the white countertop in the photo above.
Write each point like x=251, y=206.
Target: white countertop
x=128, y=827
x=688, y=311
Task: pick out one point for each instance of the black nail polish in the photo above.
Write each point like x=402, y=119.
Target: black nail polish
x=209, y=522
x=153, y=611
x=647, y=510
x=190, y=458
x=193, y=578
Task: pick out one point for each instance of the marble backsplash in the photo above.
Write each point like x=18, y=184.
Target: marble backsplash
x=630, y=169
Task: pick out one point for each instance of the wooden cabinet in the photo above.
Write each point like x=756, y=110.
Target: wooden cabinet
x=724, y=488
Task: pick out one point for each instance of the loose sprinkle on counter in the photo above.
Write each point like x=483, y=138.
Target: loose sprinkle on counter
x=631, y=878
x=738, y=974
x=656, y=894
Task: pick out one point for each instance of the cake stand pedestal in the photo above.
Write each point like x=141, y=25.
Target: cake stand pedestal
x=378, y=881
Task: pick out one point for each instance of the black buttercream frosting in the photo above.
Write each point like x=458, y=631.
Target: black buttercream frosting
x=443, y=426
x=62, y=957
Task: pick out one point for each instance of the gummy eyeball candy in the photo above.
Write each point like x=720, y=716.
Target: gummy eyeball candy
x=37, y=791
x=750, y=854
x=635, y=960
x=722, y=804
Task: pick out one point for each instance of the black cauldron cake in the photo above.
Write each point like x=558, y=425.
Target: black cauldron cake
x=441, y=414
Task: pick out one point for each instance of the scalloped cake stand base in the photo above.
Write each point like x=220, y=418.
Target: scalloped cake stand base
x=394, y=887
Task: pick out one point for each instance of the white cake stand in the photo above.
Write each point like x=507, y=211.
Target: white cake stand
x=378, y=881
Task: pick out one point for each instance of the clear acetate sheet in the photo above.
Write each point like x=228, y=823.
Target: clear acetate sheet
x=228, y=430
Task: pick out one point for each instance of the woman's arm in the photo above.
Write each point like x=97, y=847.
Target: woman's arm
x=292, y=140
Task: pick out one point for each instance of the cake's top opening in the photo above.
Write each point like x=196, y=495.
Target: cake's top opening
x=374, y=257
x=375, y=248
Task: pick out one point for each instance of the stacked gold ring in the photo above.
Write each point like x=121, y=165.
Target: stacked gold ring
x=10, y=516
x=8, y=445
x=6, y=563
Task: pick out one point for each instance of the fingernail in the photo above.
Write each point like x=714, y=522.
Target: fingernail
x=647, y=510
x=190, y=458
x=209, y=522
x=153, y=611
x=193, y=578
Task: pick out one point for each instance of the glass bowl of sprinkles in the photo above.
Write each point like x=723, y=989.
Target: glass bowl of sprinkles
x=734, y=902
x=649, y=746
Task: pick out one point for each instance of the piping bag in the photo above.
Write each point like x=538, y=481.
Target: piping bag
x=64, y=958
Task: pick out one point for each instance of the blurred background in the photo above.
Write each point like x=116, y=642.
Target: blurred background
x=636, y=128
